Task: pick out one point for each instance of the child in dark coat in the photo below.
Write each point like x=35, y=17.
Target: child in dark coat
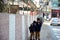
x=38, y=28
x=32, y=30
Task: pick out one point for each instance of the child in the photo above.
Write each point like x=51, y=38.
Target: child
x=38, y=28
x=32, y=30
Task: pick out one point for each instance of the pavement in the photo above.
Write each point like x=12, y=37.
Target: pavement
x=56, y=31
x=47, y=32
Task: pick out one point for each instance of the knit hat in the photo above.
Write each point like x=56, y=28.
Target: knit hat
x=38, y=18
x=34, y=21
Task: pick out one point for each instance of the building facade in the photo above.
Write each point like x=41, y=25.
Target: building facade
x=55, y=3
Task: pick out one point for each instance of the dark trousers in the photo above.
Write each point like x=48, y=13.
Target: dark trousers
x=37, y=35
x=31, y=35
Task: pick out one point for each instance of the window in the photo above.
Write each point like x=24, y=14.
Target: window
x=25, y=8
x=58, y=0
x=58, y=5
x=54, y=14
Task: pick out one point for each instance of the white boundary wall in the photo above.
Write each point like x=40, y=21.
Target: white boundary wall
x=14, y=26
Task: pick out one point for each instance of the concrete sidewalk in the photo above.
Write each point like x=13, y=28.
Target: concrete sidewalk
x=56, y=31
x=46, y=33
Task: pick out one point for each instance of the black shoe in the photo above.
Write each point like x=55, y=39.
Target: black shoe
x=33, y=39
x=30, y=39
x=38, y=39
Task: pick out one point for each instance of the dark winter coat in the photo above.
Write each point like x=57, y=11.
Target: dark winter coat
x=38, y=27
x=32, y=28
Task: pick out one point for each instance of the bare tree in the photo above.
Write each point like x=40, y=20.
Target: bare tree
x=1, y=5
